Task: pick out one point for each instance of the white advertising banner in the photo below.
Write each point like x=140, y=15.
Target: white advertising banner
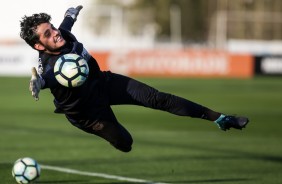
x=17, y=60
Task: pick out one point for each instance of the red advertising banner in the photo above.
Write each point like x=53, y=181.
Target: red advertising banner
x=177, y=63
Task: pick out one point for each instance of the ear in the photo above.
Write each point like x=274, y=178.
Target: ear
x=39, y=46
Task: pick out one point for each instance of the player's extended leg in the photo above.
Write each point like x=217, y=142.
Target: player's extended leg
x=125, y=90
x=107, y=127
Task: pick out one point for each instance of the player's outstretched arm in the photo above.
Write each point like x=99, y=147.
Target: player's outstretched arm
x=73, y=12
x=35, y=84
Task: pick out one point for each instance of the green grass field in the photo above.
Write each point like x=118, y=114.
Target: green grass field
x=167, y=148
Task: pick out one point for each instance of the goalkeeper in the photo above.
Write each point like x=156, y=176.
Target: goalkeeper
x=88, y=107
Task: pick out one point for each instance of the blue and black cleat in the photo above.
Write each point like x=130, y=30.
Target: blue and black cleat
x=227, y=122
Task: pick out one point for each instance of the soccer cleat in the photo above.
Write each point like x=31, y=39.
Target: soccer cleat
x=227, y=122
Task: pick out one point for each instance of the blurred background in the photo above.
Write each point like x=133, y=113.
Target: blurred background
x=134, y=36
x=223, y=54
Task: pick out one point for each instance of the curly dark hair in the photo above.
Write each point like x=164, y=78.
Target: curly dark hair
x=29, y=26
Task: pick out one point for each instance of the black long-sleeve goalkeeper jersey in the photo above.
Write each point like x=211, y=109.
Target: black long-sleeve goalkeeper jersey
x=77, y=100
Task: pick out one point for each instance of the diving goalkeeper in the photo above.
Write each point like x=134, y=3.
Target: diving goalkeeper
x=88, y=107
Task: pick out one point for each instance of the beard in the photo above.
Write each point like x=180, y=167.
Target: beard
x=54, y=50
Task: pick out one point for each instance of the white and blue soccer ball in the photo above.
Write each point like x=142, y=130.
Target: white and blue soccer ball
x=26, y=170
x=71, y=70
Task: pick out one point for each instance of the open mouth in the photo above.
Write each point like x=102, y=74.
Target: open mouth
x=58, y=38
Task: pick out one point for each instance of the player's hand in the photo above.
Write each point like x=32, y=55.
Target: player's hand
x=35, y=84
x=73, y=12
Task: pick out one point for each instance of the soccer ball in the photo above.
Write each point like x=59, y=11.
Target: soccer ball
x=26, y=170
x=71, y=70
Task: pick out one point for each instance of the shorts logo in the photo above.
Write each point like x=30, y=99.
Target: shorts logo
x=98, y=126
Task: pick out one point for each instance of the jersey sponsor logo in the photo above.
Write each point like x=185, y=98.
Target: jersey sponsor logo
x=40, y=67
x=85, y=54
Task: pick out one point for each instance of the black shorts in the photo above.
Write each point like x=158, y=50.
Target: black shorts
x=118, y=90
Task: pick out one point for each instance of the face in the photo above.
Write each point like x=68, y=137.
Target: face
x=50, y=39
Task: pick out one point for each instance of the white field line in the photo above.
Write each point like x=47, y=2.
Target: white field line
x=100, y=175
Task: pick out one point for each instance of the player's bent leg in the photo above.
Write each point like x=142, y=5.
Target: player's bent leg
x=114, y=133
x=108, y=128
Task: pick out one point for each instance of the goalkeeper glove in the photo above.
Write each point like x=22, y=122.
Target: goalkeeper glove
x=35, y=84
x=73, y=12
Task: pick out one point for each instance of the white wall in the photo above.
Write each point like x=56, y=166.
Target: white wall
x=17, y=59
x=13, y=10
x=256, y=47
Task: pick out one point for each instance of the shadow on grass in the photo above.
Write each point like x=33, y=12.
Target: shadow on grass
x=62, y=181
x=84, y=182
x=230, y=153
x=213, y=181
x=171, y=182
